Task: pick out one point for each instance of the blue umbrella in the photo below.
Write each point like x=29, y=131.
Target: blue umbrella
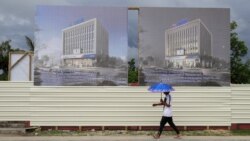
x=160, y=87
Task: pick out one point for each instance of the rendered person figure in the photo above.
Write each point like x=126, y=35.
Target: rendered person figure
x=167, y=115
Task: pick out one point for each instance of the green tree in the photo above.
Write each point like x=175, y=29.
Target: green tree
x=5, y=49
x=132, y=72
x=248, y=68
x=240, y=72
x=131, y=64
x=30, y=43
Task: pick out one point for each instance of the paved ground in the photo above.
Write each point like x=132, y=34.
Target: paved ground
x=123, y=138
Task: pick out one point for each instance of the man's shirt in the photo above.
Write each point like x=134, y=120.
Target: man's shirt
x=167, y=112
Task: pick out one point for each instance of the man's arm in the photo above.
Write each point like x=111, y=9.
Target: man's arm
x=165, y=103
x=157, y=104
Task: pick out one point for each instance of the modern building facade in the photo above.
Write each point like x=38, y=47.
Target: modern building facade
x=84, y=43
x=188, y=45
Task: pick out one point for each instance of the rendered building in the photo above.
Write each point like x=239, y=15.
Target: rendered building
x=188, y=45
x=83, y=43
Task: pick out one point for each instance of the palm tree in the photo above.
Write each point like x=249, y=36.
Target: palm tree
x=30, y=43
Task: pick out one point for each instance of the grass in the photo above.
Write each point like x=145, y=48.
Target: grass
x=240, y=132
x=139, y=133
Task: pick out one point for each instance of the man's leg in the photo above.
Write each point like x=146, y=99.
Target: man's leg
x=171, y=123
x=162, y=124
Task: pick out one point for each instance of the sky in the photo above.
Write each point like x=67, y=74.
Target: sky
x=51, y=20
x=133, y=35
x=17, y=17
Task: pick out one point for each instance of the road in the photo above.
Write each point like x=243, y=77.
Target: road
x=122, y=138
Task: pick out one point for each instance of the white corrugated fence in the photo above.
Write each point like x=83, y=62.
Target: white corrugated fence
x=121, y=106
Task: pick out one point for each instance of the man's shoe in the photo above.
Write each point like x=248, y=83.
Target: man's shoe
x=156, y=136
x=177, y=137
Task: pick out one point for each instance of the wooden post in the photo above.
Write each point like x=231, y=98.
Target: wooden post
x=30, y=68
x=9, y=69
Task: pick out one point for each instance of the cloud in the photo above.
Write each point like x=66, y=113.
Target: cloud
x=132, y=52
x=53, y=49
x=12, y=20
x=132, y=28
x=3, y=38
x=243, y=25
x=17, y=17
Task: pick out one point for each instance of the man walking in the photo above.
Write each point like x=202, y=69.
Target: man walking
x=167, y=115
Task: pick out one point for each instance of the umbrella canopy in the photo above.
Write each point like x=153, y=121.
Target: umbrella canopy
x=160, y=87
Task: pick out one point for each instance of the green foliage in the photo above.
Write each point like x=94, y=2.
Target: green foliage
x=131, y=64
x=4, y=77
x=132, y=72
x=5, y=49
x=240, y=72
x=30, y=43
x=132, y=76
x=240, y=132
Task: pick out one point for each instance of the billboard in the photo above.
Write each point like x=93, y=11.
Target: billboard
x=184, y=46
x=21, y=66
x=80, y=46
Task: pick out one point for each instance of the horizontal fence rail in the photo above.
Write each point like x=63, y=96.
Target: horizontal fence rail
x=240, y=103
x=121, y=105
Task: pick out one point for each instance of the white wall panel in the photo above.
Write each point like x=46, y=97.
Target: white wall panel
x=127, y=106
x=15, y=101
x=121, y=106
x=240, y=103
